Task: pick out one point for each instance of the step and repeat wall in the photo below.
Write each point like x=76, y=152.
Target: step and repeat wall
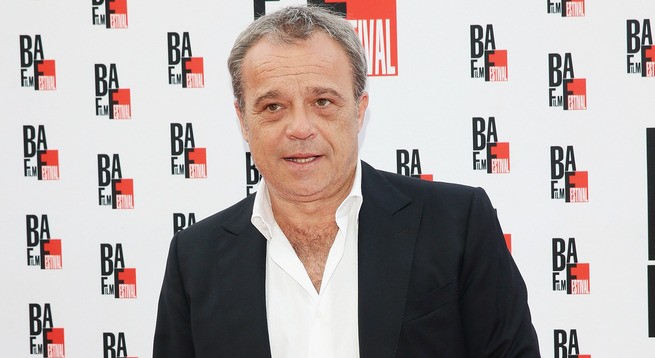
x=118, y=129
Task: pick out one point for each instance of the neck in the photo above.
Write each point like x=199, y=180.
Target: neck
x=309, y=212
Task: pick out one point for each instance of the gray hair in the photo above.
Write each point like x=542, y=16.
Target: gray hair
x=291, y=24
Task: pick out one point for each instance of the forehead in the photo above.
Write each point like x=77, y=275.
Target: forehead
x=318, y=60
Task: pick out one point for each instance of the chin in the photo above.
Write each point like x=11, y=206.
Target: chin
x=305, y=191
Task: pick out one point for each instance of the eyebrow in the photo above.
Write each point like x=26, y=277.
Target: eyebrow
x=317, y=91
x=268, y=95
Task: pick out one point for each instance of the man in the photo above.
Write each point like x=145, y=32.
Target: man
x=332, y=258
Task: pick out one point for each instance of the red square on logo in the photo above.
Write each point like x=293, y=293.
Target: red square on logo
x=52, y=247
x=124, y=186
x=198, y=156
x=579, y=179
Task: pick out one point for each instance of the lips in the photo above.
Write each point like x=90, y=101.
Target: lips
x=301, y=159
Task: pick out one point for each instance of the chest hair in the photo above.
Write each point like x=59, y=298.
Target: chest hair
x=312, y=244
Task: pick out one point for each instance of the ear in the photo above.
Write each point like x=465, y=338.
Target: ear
x=242, y=123
x=361, y=110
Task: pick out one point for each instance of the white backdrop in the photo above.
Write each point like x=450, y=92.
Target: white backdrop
x=426, y=108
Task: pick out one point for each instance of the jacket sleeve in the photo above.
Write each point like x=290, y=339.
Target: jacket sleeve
x=173, y=336
x=493, y=296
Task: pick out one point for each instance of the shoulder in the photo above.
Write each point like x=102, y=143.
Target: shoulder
x=453, y=203
x=424, y=191
x=411, y=184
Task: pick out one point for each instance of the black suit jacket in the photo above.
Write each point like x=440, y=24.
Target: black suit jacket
x=435, y=279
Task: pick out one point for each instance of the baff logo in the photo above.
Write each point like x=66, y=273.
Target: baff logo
x=110, y=13
x=567, y=8
x=45, y=340
x=113, y=189
x=38, y=160
x=566, y=344
x=35, y=70
x=252, y=175
x=568, y=274
x=489, y=154
x=575, y=185
x=561, y=78
x=42, y=251
x=182, y=221
x=111, y=100
x=486, y=61
x=186, y=159
x=641, y=52
x=409, y=164
x=183, y=68
x=112, y=263
x=114, y=346
x=373, y=20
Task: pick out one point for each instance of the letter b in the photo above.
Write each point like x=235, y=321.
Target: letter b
x=554, y=72
x=177, y=144
x=477, y=46
x=29, y=145
x=25, y=53
x=402, y=162
x=106, y=263
x=556, y=165
x=479, y=139
x=173, y=50
x=108, y=344
x=560, y=344
x=101, y=82
x=104, y=176
x=35, y=322
x=559, y=259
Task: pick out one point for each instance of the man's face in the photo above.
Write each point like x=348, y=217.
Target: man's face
x=300, y=117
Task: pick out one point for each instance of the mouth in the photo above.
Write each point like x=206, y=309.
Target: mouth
x=301, y=159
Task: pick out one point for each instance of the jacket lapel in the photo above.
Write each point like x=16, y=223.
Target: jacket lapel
x=242, y=302
x=387, y=228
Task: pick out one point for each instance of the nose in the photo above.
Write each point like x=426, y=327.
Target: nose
x=301, y=124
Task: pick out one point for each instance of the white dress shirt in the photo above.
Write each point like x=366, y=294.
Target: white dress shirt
x=302, y=322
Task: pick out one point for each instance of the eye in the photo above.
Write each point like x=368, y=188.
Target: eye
x=323, y=102
x=273, y=107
